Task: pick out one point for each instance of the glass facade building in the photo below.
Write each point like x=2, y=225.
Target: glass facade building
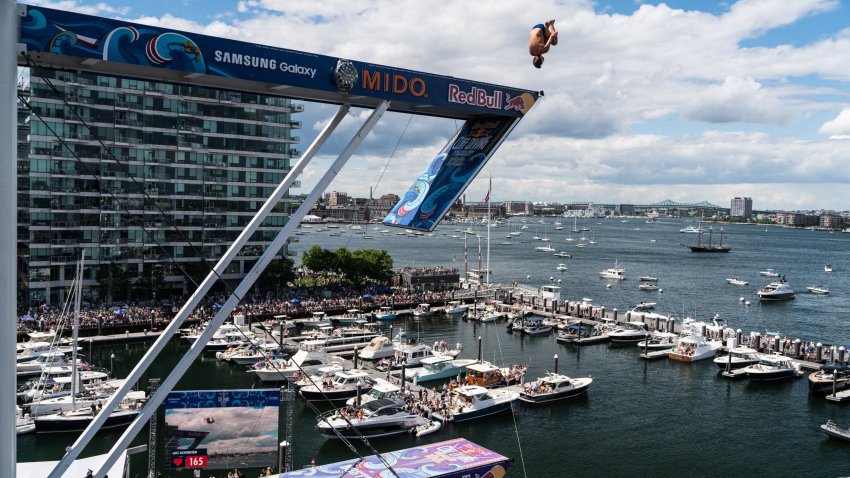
x=148, y=171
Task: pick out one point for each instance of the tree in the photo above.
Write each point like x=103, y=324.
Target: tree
x=318, y=259
x=376, y=264
x=279, y=271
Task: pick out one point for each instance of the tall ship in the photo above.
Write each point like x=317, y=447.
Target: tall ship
x=709, y=247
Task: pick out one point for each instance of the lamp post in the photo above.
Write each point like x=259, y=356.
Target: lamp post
x=111, y=368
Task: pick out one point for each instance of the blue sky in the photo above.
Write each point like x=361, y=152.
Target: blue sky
x=645, y=101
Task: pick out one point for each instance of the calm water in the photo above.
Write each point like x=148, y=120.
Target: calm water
x=639, y=418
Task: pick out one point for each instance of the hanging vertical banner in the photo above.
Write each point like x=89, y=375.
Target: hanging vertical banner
x=222, y=429
x=449, y=173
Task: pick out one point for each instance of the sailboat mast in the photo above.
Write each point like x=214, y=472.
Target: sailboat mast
x=76, y=326
x=465, y=259
x=487, y=273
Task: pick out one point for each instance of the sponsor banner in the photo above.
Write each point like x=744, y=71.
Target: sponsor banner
x=307, y=75
x=219, y=429
x=450, y=172
x=458, y=458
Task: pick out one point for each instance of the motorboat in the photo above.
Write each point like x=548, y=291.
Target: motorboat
x=303, y=362
x=818, y=289
x=650, y=286
x=779, y=290
x=741, y=357
x=737, y=281
x=423, y=310
x=830, y=377
x=554, y=386
x=832, y=429
x=439, y=367
x=488, y=314
x=470, y=402
x=648, y=279
x=380, y=389
x=385, y=314
x=375, y=418
x=411, y=355
x=629, y=332
x=561, y=267
x=693, y=347
x=692, y=230
x=772, y=367
x=535, y=326
x=342, y=387
x=659, y=341
x=645, y=306
x=51, y=386
x=827, y=268
x=455, y=309
x=485, y=374
x=769, y=273
x=546, y=248
x=320, y=376
x=79, y=418
x=617, y=272
x=563, y=254
x=582, y=331
x=380, y=347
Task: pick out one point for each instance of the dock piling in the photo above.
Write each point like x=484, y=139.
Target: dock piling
x=818, y=352
x=479, y=348
x=556, y=363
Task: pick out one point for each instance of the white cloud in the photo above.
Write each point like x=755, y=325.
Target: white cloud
x=838, y=127
x=736, y=100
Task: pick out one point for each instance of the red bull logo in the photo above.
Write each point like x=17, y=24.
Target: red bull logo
x=516, y=103
x=475, y=97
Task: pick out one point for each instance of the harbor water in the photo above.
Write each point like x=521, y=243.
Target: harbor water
x=640, y=418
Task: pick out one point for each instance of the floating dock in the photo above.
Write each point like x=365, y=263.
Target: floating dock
x=655, y=354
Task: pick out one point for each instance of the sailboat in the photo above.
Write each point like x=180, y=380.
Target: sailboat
x=719, y=247
x=575, y=225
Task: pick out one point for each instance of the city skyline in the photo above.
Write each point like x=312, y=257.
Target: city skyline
x=654, y=101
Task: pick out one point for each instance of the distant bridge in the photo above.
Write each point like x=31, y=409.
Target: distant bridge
x=666, y=204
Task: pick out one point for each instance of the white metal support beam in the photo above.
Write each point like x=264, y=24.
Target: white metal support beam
x=241, y=290
x=173, y=327
x=9, y=30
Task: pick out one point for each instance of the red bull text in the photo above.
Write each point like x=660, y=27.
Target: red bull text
x=475, y=97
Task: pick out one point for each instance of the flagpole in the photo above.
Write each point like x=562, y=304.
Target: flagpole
x=487, y=274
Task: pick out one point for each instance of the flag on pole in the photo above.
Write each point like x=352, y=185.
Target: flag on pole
x=487, y=197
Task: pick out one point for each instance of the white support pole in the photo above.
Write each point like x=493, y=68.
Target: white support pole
x=224, y=312
x=173, y=327
x=9, y=30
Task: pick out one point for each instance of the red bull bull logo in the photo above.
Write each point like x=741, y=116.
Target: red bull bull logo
x=475, y=97
x=516, y=103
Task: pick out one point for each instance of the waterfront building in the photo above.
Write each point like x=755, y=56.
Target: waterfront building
x=831, y=221
x=422, y=279
x=741, y=207
x=336, y=198
x=519, y=208
x=142, y=172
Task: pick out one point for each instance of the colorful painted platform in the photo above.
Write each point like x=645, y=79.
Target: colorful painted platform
x=446, y=459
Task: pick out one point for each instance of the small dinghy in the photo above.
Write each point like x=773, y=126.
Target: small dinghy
x=832, y=429
x=428, y=428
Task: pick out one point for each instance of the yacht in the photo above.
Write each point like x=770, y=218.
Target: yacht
x=561, y=267
x=737, y=281
x=485, y=374
x=535, y=325
x=439, y=367
x=470, y=402
x=580, y=330
x=380, y=347
x=772, y=367
x=546, y=248
x=818, y=289
x=303, y=362
x=563, y=254
x=375, y=418
x=648, y=286
x=779, y=290
x=79, y=418
x=616, y=272
x=629, y=332
x=830, y=377
x=554, y=386
x=692, y=230
x=455, y=309
x=769, y=273
x=693, y=347
x=659, y=341
x=741, y=357
x=342, y=387
x=380, y=389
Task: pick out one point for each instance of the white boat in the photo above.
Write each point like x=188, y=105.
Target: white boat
x=380, y=389
x=659, y=341
x=694, y=347
x=648, y=286
x=562, y=254
x=772, y=367
x=827, y=268
x=79, y=418
x=470, y=402
x=832, y=429
x=24, y=423
x=648, y=279
x=380, y=347
x=645, y=306
x=629, y=332
x=485, y=374
x=385, y=313
x=554, y=386
x=342, y=387
x=561, y=267
x=769, y=273
x=439, y=367
x=741, y=357
x=376, y=418
x=779, y=290
x=546, y=248
x=692, y=230
x=535, y=326
x=303, y=362
x=617, y=272
x=737, y=281
x=455, y=309
x=423, y=310
x=818, y=289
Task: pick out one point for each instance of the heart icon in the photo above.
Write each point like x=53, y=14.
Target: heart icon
x=177, y=462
